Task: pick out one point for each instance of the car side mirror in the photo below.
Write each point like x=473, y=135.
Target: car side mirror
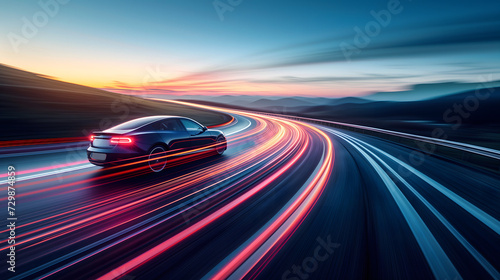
x=199, y=130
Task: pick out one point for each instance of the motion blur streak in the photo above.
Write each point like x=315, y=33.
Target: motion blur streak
x=491, y=270
x=299, y=208
x=282, y=143
x=17, y=143
x=258, y=211
x=114, y=210
x=35, y=170
x=206, y=221
x=223, y=124
x=258, y=129
x=436, y=257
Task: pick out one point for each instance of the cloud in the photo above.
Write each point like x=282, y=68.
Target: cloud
x=326, y=79
x=470, y=35
x=460, y=34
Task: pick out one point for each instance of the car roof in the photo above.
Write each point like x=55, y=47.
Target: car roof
x=158, y=118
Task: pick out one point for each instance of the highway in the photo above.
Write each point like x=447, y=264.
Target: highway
x=288, y=200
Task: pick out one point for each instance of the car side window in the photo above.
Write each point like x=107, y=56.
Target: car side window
x=190, y=125
x=151, y=127
x=171, y=125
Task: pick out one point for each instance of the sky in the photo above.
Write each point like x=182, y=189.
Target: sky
x=253, y=47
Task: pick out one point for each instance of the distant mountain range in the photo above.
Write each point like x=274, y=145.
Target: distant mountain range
x=269, y=102
x=436, y=110
x=294, y=103
x=426, y=91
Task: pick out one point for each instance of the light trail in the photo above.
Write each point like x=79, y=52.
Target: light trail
x=258, y=197
x=288, y=221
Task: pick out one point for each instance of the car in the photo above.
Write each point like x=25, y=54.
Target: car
x=150, y=139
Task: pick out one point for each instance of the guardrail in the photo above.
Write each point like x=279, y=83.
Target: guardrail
x=465, y=153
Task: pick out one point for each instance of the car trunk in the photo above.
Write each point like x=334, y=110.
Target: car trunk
x=103, y=139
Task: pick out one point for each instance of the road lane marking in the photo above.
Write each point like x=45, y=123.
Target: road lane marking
x=440, y=264
x=480, y=259
x=479, y=214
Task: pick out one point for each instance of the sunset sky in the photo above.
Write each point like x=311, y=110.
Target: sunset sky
x=308, y=48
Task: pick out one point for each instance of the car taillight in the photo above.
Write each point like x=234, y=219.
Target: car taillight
x=91, y=137
x=121, y=140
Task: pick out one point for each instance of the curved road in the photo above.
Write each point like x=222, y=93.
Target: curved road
x=288, y=200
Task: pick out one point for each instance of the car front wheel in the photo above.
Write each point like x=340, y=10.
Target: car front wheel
x=220, y=145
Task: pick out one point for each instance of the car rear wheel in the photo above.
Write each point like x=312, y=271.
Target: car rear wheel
x=157, y=159
x=220, y=146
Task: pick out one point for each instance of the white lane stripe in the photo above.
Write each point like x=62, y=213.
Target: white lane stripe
x=59, y=171
x=440, y=264
x=237, y=131
x=486, y=265
x=479, y=214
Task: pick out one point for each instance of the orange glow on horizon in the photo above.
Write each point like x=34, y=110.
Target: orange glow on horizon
x=111, y=79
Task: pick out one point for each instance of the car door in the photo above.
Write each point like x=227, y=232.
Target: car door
x=199, y=135
x=173, y=133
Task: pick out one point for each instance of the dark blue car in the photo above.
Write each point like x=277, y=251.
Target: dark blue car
x=150, y=139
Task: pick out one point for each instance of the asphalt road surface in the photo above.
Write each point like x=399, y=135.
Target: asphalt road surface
x=288, y=200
